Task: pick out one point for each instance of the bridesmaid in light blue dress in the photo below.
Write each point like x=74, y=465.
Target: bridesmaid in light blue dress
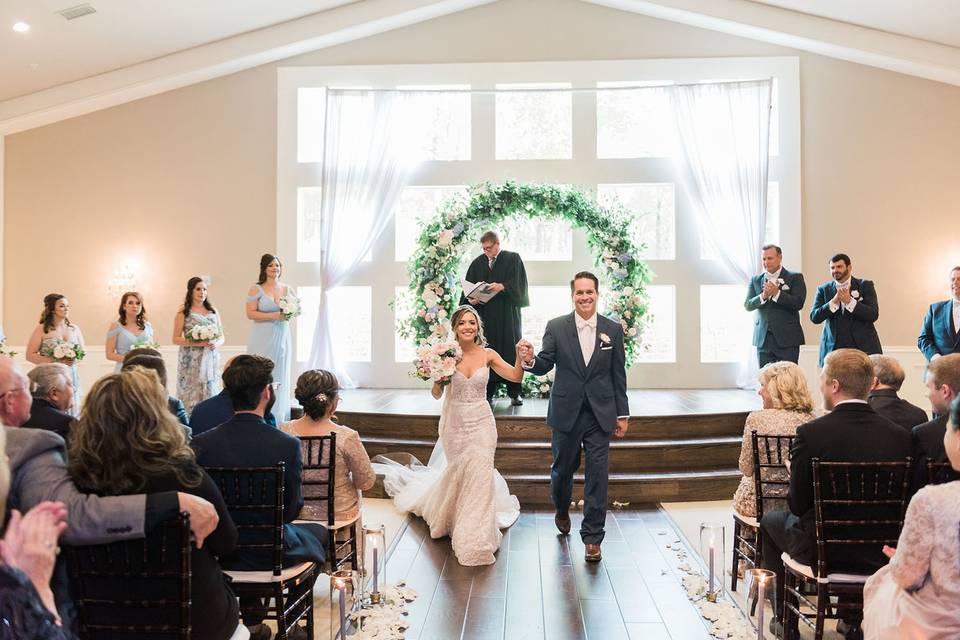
x=55, y=325
x=270, y=335
x=131, y=328
x=198, y=364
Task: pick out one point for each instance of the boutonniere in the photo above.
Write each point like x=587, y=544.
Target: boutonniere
x=604, y=338
x=780, y=281
x=854, y=294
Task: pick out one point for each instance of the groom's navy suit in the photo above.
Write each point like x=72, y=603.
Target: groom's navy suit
x=843, y=329
x=585, y=402
x=938, y=335
x=777, y=333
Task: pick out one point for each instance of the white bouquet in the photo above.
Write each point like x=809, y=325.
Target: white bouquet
x=437, y=360
x=290, y=305
x=203, y=333
x=62, y=350
x=145, y=344
x=6, y=352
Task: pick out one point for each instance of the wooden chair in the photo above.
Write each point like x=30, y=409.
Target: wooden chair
x=135, y=587
x=770, y=455
x=940, y=472
x=319, y=478
x=254, y=497
x=848, y=496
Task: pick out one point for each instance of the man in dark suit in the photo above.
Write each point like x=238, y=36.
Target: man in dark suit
x=777, y=295
x=52, y=388
x=216, y=410
x=943, y=385
x=847, y=307
x=588, y=403
x=851, y=432
x=883, y=396
x=940, y=334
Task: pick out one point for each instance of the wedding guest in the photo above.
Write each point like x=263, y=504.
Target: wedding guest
x=940, y=334
x=943, y=387
x=916, y=594
x=270, y=333
x=27, y=557
x=786, y=405
x=53, y=330
x=127, y=442
x=777, y=295
x=318, y=392
x=51, y=386
x=883, y=396
x=847, y=307
x=198, y=361
x=130, y=330
x=155, y=362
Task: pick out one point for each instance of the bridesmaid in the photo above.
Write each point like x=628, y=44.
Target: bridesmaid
x=198, y=370
x=270, y=335
x=55, y=325
x=131, y=327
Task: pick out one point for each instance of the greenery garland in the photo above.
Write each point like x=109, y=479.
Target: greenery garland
x=434, y=268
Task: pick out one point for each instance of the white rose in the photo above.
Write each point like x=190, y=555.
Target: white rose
x=551, y=375
x=429, y=298
x=544, y=388
x=632, y=332
x=628, y=291
x=445, y=238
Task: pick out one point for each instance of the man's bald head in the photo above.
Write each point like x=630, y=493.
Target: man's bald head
x=15, y=398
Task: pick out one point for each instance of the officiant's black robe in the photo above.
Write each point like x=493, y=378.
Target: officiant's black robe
x=501, y=315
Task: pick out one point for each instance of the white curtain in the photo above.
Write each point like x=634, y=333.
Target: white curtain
x=372, y=142
x=724, y=131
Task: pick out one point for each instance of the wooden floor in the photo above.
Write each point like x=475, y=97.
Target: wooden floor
x=541, y=588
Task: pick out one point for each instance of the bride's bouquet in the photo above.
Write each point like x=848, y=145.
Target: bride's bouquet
x=290, y=305
x=203, y=333
x=437, y=360
x=63, y=351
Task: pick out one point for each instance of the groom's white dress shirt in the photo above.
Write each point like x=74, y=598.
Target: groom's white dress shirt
x=587, y=332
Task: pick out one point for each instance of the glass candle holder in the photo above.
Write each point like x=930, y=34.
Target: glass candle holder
x=343, y=591
x=712, y=544
x=761, y=586
x=374, y=561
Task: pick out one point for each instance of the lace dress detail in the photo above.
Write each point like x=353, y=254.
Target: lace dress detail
x=22, y=614
x=916, y=595
x=467, y=499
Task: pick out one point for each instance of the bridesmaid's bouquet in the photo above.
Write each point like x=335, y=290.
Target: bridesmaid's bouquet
x=63, y=350
x=203, y=333
x=290, y=305
x=437, y=360
x=145, y=344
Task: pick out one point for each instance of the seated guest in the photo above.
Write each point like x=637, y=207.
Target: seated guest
x=943, y=385
x=786, y=405
x=27, y=606
x=940, y=333
x=51, y=385
x=883, y=396
x=916, y=595
x=318, y=393
x=248, y=441
x=151, y=359
x=127, y=442
x=216, y=410
x=851, y=432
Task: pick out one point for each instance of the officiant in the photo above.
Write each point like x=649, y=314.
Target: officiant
x=505, y=274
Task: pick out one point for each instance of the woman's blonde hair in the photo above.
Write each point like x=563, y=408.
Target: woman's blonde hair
x=787, y=386
x=461, y=311
x=127, y=435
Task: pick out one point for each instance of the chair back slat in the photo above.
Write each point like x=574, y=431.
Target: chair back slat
x=254, y=498
x=851, y=497
x=940, y=472
x=320, y=473
x=771, y=479
x=138, y=587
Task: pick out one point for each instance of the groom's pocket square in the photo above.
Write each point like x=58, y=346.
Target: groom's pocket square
x=606, y=348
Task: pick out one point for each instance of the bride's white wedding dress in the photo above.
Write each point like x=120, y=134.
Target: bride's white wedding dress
x=459, y=493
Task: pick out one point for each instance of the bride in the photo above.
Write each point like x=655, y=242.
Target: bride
x=459, y=493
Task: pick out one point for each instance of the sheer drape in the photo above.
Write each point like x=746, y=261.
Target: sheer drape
x=723, y=131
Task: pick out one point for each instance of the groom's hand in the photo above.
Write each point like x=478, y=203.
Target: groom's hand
x=621, y=429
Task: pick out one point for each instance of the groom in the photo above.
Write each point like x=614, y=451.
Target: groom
x=588, y=403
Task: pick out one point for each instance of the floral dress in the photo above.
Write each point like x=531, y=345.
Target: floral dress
x=198, y=368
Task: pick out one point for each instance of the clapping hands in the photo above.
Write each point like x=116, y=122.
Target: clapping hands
x=770, y=289
x=30, y=542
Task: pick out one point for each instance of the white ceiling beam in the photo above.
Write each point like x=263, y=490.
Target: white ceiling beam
x=805, y=32
x=303, y=35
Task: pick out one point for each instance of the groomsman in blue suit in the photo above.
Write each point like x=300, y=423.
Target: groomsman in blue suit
x=777, y=295
x=940, y=334
x=847, y=307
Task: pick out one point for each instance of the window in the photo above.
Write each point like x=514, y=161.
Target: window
x=404, y=350
x=725, y=335
x=534, y=125
x=350, y=322
x=447, y=120
x=659, y=340
x=634, y=123
x=708, y=250
x=311, y=106
x=654, y=209
x=416, y=206
x=546, y=303
x=538, y=239
x=308, y=224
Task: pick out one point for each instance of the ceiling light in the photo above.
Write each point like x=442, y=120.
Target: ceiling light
x=21, y=27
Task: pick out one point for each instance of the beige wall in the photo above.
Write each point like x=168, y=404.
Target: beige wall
x=187, y=178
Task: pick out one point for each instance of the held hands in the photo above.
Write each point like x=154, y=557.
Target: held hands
x=621, y=429
x=525, y=351
x=30, y=542
x=770, y=289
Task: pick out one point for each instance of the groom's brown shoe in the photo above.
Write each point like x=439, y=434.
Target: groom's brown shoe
x=562, y=520
x=591, y=553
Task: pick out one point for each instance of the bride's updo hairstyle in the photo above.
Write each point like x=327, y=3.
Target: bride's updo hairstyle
x=479, y=338
x=316, y=391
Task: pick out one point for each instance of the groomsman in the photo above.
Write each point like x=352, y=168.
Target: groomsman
x=847, y=307
x=777, y=295
x=940, y=334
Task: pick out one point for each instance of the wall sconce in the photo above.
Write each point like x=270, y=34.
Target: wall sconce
x=122, y=280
